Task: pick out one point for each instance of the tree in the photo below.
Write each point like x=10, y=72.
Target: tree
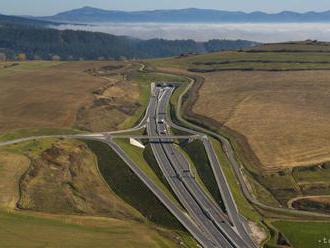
x=21, y=56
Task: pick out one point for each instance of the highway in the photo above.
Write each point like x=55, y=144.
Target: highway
x=173, y=164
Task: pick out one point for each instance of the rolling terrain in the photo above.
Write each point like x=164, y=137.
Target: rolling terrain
x=31, y=92
x=258, y=91
x=269, y=101
x=63, y=185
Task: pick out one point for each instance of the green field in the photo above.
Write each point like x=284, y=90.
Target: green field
x=263, y=61
x=305, y=234
x=258, y=60
x=24, y=231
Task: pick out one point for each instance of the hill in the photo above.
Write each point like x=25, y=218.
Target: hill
x=6, y=19
x=90, y=14
x=37, y=41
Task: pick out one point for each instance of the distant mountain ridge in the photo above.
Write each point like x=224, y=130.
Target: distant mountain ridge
x=90, y=14
x=7, y=19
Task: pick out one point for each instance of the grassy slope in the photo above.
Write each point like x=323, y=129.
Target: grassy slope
x=30, y=93
x=263, y=59
x=243, y=205
x=24, y=230
x=199, y=158
x=12, y=167
x=138, y=156
x=23, y=133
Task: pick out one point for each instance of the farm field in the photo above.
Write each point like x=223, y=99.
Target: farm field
x=268, y=57
x=49, y=97
x=44, y=94
x=290, y=104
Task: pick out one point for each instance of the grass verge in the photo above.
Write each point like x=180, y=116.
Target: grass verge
x=138, y=156
x=201, y=162
x=24, y=133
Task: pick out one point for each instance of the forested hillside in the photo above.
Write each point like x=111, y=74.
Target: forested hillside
x=41, y=42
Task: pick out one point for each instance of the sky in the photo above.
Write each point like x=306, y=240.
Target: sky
x=50, y=7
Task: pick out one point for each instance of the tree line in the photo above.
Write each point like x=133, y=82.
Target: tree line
x=37, y=42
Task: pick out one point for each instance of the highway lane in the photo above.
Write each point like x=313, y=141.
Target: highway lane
x=212, y=210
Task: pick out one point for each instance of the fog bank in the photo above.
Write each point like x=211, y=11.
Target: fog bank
x=262, y=32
